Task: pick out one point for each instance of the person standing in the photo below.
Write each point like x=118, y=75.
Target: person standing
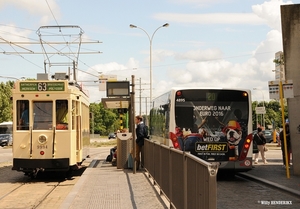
x=140, y=130
x=24, y=119
x=260, y=140
x=288, y=144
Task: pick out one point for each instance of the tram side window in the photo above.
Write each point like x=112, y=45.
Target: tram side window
x=23, y=114
x=62, y=114
x=42, y=115
x=74, y=114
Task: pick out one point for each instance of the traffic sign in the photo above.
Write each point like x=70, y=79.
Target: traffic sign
x=260, y=110
x=287, y=89
x=103, y=79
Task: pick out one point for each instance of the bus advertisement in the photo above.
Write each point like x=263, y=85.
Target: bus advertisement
x=212, y=124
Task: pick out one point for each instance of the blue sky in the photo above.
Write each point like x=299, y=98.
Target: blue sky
x=209, y=43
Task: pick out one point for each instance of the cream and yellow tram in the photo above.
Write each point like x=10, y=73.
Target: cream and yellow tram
x=50, y=126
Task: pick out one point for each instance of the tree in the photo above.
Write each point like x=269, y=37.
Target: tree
x=272, y=116
x=105, y=120
x=279, y=61
x=5, y=101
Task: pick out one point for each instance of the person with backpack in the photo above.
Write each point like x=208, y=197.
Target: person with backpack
x=288, y=144
x=260, y=140
x=140, y=137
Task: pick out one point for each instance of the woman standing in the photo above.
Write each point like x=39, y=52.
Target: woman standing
x=260, y=140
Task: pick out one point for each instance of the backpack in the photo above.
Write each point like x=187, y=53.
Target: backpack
x=108, y=158
x=130, y=161
x=146, y=134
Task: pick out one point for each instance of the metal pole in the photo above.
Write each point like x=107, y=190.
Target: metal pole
x=264, y=108
x=133, y=121
x=284, y=131
x=140, y=96
x=256, y=117
x=151, y=70
x=147, y=111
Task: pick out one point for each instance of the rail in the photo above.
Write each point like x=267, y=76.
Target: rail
x=186, y=180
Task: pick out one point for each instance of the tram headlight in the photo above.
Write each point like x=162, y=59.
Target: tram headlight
x=42, y=139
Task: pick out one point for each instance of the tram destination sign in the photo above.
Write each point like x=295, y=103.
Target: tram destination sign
x=42, y=86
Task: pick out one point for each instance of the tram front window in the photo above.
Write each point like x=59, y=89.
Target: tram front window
x=42, y=115
x=23, y=114
x=62, y=114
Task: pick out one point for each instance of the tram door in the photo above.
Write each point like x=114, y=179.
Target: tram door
x=76, y=128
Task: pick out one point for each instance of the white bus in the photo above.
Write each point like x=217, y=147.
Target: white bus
x=213, y=124
x=6, y=134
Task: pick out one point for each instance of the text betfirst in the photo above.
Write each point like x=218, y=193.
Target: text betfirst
x=212, y=147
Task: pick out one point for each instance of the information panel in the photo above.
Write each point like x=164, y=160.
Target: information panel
x=287, y=89
x=42, y=86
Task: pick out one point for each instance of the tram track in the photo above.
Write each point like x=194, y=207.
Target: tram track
x=19, y=191
x=43, y=198
x=10, y=192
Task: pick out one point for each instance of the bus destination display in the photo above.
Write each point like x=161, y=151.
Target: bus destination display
x=42, y=86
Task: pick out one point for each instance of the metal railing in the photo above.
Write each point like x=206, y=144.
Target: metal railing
x=186, y=180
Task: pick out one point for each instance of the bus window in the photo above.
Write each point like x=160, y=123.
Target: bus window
x=6, y=128
x=6, y=134
x=23, y=114
x=62, y=114
x=42, y=115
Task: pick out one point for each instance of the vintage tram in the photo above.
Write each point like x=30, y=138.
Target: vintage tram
x=50, y=125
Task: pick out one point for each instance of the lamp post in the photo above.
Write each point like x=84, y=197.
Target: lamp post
x=10, y=77
x=150, y=40
x=263, y=119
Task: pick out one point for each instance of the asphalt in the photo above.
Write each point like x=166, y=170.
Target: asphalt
x=274, y=174
x=104, y=186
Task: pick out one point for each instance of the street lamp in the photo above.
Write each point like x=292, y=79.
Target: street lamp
x=263, y=104
x=150, y=40
x=10, y=77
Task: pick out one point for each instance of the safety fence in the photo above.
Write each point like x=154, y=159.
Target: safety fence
x=186, y=180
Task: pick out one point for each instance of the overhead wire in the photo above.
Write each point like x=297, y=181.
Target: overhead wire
x=72, y=54
x=11, y=45
x=32, y=39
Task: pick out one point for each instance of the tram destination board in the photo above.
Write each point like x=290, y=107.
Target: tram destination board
x=42, y=86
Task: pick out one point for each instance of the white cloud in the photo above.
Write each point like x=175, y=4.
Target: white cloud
x=201, y=3
x=200, y=55
x=122, y=72
x=212, y=18
x=37, y=8
x=270, y=11
x=272, y=43
x=12, y=33
x=221, y=74
x=253, y=73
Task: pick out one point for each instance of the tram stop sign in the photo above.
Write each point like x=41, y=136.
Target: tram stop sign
x=117, y=89
x=260, y=110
